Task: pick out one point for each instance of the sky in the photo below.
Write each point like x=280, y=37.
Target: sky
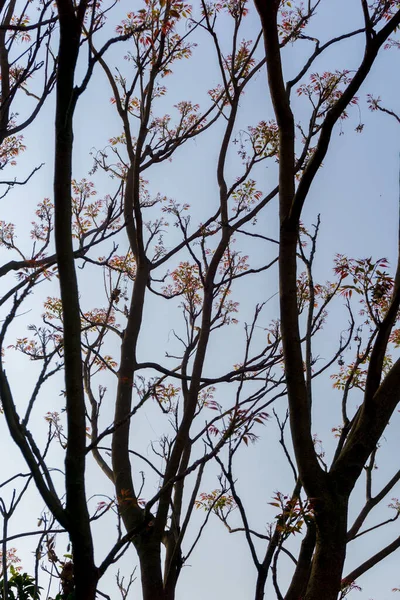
x=356, y=193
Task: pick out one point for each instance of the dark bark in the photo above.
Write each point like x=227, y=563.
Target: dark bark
x=5, y=74
x=264, y=566
x=330, y=491
x=85, y=572
x=149, y=552
x=120, y=442
x=260, y=584
x=173, y=563
x=330, y=548
x=301, y=575
x=309, y=468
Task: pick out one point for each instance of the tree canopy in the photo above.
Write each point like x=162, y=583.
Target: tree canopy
x=196, y=363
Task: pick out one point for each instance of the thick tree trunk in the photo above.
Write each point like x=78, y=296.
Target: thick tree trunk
x=330, y=549
x=85, y=572
x=260, y=584
x=149, y=552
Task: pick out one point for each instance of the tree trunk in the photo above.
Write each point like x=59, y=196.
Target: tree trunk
x=149, y=552
x=330, y=549
x=301, y=575
x=85, y=572
x=260, y=584
x=172, y=563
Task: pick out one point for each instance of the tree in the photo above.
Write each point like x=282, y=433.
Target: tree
x=360, y=435
x=138, y=264
x=204, y=286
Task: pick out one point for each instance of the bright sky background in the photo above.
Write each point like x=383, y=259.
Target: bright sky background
x=356, y=193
